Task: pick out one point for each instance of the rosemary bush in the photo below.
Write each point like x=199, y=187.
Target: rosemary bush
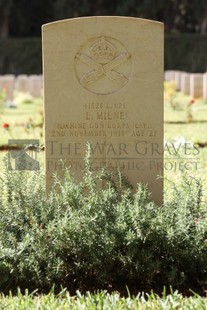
x=86, y=236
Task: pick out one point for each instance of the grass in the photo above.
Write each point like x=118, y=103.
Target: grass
x=176, y=118
x=195, y=132
x=177, y=128
x=101, y=300
x=24, y=121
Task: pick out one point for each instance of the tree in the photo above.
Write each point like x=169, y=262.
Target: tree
x=27, y=18
x=24, y=18
x=5, y=8
x=75, y=8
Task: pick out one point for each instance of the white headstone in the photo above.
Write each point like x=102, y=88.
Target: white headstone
x=35, y=85
x=177, y=79
x=103, y=83
x=7, y=84
x=185, y=83
x=22, y=83
x=205, y=86
x=167, y=76
x=196, y=85
x=171, y=75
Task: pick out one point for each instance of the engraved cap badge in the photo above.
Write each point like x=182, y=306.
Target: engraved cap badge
x=103, y=65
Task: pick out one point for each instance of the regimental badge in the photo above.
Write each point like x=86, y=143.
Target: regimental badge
x=103, y=65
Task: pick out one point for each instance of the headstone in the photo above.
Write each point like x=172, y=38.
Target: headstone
x=103, y=83
x=35, y=85
x=196, y=85
x=205, y=86
x=172, y=75
x=1, y=82
x=185, y=83
x=177, y=79
x=7, y=84
x=22, y=83
x=167, y=76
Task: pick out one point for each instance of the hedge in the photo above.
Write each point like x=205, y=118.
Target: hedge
x=186, y=52
x=19, y=56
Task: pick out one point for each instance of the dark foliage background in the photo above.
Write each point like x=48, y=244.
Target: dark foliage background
x=185, y=27
x=23, y=18
x=24, y=55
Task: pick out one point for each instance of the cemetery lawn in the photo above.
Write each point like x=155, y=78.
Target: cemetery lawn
x=101, y=300
x=24, y=121
x=180, y=129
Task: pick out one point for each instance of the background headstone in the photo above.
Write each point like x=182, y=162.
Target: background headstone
x=103, y=83
x=185, y=83
x=35, y=85
x=7, y=84
x=205, y=86
x=22, y=83
x=1, y=82
x=196, y=85
x=167, y=76
x=177, y=79
x=172, y=76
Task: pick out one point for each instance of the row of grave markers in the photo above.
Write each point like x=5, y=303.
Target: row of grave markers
x=32, y=84
x=193, y=84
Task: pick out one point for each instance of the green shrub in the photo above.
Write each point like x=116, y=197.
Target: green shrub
x=83, y=236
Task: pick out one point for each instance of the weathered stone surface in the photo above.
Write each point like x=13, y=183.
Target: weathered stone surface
x=103, y=83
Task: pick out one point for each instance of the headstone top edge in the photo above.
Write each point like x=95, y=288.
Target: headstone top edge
x=90, y=18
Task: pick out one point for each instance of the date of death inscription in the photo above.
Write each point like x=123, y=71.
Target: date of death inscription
x=104, y=120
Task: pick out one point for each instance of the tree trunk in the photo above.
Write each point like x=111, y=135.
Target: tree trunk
x=4, y=25
x=204, y=24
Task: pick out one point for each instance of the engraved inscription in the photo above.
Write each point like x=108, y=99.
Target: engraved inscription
x=104, y=120
x=103, y=65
